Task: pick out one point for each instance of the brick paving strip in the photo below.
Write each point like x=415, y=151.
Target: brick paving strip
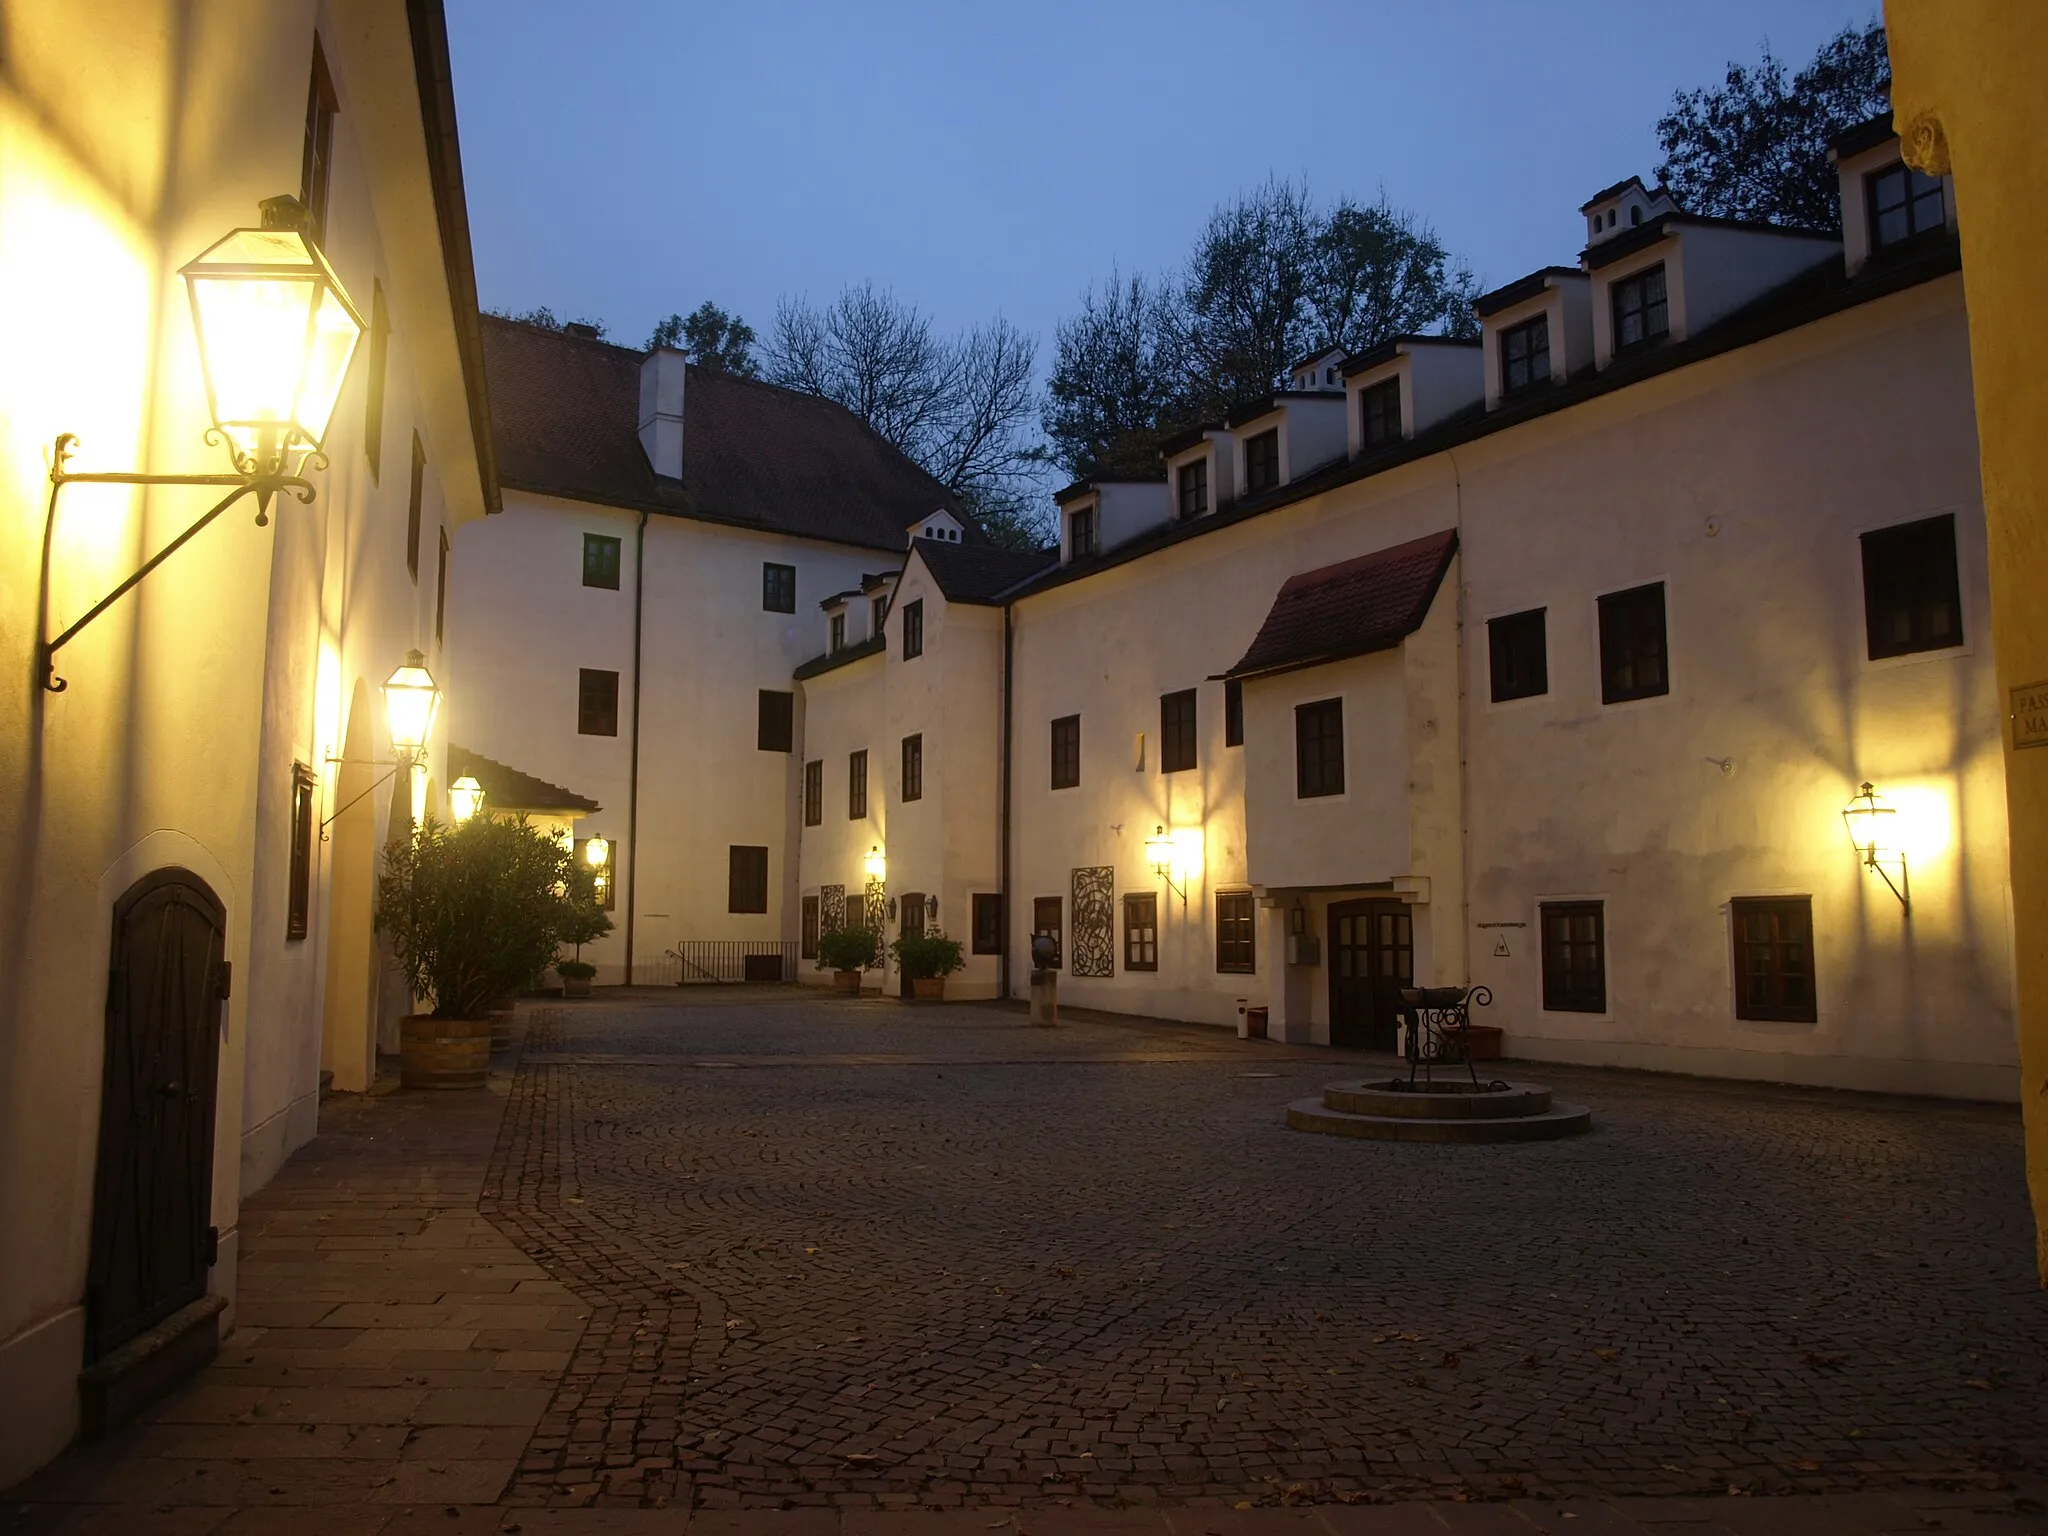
x=403, y=1365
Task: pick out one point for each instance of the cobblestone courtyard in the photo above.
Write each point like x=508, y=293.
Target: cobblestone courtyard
x=839, y=1249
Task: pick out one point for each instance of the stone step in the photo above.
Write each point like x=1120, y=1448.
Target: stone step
x=1443, y=1101
x=1556, y=1121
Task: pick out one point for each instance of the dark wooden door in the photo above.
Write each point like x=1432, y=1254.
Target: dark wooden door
x=1372, y=957
x=909, y=925
x=152, y=1194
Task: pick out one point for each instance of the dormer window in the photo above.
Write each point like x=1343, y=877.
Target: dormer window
x=839, y=631
x=1904, y=204
x=1525, y=356
x=1082, y=540
x=1262, y=461
x=1193, y=485
x=1642, y=314
x=881, y=612
x=1635, y=215
x=1380, y=412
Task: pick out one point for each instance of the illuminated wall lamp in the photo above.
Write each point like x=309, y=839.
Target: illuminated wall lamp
x=276, y=335
x=1159, y=848
x=465, y=798
x=1871, y=823
x=876, y=864
x=412, y=702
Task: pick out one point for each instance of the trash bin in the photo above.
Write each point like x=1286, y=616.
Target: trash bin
x=1255, y=1023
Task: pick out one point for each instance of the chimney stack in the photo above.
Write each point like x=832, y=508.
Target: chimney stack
x=661, y=411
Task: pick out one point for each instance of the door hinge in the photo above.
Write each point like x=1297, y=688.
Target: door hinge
x=227, y=976
x=212, y=1246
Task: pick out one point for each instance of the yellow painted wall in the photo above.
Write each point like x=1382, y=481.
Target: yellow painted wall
x=1968, y=101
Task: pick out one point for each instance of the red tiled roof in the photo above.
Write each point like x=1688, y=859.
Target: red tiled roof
x=565, y=413
x=1356, y=607
x=507, y=789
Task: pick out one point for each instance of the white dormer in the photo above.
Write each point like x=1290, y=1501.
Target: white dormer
x=848, y=620
x=1407, y=385
x=941, y=525
x=1098, y=515
x=1538, y=332
x=1319, y=370
x=1622, y=207
x=1887, y=206
x=1201, y=465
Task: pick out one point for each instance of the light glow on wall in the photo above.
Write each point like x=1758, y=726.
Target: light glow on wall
x=1925, y=825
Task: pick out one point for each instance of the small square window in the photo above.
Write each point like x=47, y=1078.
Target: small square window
x=1380, y=413
x=1641, y=314
x=1912, y=593
x=1319, y=749
x=778, y=587
x=1233, y=712
x=814, y=792
x=1237, y=947
x=1634, y=663
x=913, y=629
x=988, y=924
x=1194, y=488
x=1178, y=748
x=857, y=785
x=1262, y=461
x=600, y=561
x=597, y=703
x=747, y=887
x=1525, y=356
x=1141, y=931
x=1081, y=541
x=775, y=722
x=838, y=628
x=1905, y=204
x=913, y=767
x=1574, y=957
x=1066, y=752
x=1515, y=647
x=1774, y=958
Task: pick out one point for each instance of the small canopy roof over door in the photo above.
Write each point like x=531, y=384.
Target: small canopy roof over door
x=1371, y=603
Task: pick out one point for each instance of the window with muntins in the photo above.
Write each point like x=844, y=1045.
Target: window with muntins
x=299, y=892
x=1641, y=313
x=1193, y=485
x=1774, y=958
x=1516, y=650
x=1525, y=356
x=913, y=767
x=1904, y=205
x=1379, y=411
x=373, y=392
x=597, y=703
x=775, y=722
x=1574, y=957
x=747, y=886
x=1081, y=540
x=1178, y=749
x=857, y=785
x=1233, y=712
x=1066, y=752
x=412, y=515
x=814, y=793
x=838, y=627
x=778, y=587
x=807, y=933
x=913, y=629
x=1237, y=947
x=1141, y=931
x=1262, y=461
x=988, y=924
x=878, y=612
x=1319, y=749
x=1046, y=920
x=317, y=161
x=1634, y=663
x=1912, y=593
x=601, y=561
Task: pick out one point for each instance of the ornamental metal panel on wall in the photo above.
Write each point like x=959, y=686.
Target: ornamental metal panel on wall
x=876, y=906
x=1094, y=922
x=831, y=908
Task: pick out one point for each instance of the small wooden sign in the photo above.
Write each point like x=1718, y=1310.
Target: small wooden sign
x=2030, y=715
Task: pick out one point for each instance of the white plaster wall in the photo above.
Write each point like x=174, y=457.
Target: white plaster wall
x=843, y=712
x=1443, y=379
x=1131, y=507
x=1312, y=435
x=1728, y=268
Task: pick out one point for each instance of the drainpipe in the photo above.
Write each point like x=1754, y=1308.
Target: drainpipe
x=1464, y=742
x=633, y=771
x=1003, y=831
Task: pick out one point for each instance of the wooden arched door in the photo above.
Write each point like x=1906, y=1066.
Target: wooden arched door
x=166, y=986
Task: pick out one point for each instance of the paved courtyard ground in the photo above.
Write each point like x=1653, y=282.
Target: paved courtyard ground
x=728, y=1252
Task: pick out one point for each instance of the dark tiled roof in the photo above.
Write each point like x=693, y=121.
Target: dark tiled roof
x=1651, y=231
x=507, y=789
x=1279, y=399
x=566, y=414
x=1314, y=357
x=1659, y=190
x=874, y=645
x=1356, y=607
x=1389, y=349
x=1188, y=438
x=1080, y=488
x=981, y=573
x=1521, y=288
x=1865, y=135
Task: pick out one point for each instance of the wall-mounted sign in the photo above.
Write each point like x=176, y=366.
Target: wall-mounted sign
x=2030, y=715
x=1500, y=948
x=1500, y=925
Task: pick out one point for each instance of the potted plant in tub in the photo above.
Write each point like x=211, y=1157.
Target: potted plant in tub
x=472, y=912
x=846, y=952
x=583, y=922
x=928, y=959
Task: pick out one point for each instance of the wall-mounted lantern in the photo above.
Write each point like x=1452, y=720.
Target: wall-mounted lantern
x=1161, y=851
x=411, y=702
x=465, y=798
x=1872, y=827
x=876, y=864
x=597, y=852
x=277, y=333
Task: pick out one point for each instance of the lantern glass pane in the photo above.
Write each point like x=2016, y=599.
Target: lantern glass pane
x=332, y=344
x=252, y=336
x=410, y=703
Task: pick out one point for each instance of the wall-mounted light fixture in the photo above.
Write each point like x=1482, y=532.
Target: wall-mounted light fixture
x=1161, y=850
x=276, y=335
x=465, y=798
x=876, y=864
x=1872, y=827
x=411, y=702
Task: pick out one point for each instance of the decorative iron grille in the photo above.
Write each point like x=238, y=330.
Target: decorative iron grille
x=1094, y=922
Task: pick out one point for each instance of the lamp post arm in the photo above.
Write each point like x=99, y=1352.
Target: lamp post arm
x=381, y=780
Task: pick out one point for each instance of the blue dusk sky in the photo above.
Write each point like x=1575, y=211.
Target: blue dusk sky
x=627, y=158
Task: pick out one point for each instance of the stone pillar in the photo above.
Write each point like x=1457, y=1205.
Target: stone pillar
x=1045, y=998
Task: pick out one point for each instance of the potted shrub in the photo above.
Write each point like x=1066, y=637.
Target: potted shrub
x=471, y=912
x=928, y=959
x=846, y=952
x=583, y=921
x=575, y=976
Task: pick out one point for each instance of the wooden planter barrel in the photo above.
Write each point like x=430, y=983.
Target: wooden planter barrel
x=928, y=989
x=444, y=1053
x=846, y=981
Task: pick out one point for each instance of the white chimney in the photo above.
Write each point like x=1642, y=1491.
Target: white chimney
x=661, y=411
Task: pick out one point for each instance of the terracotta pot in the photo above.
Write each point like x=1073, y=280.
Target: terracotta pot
x=846, y=981
x=443, y=1053
x=928, y=989
x=575, y=986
